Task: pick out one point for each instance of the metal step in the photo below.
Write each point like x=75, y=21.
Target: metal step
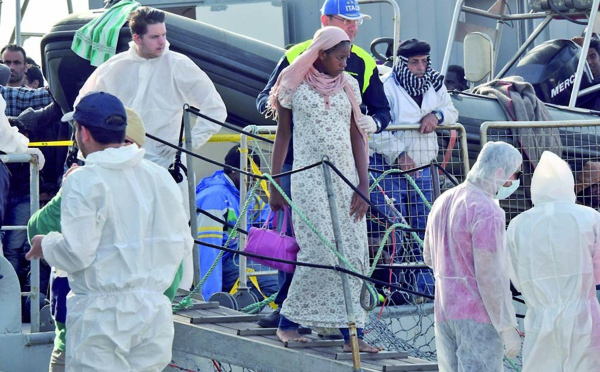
x=230, y=336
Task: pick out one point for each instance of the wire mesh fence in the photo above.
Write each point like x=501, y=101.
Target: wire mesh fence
x=407, y=174
x=576, y=142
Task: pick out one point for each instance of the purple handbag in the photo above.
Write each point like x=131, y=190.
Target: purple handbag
x=273, y=243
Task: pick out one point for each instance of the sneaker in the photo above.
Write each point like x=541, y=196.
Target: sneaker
x=270, y=321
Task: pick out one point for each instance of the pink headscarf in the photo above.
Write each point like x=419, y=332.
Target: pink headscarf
x=302, y=69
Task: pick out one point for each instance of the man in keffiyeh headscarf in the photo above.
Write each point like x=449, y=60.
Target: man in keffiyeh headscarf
x=417, y=95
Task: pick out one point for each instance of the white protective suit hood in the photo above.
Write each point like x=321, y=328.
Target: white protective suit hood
x=496, y=162
x=552, y=180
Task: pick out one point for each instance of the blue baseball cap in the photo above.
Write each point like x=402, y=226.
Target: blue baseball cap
x=95, y=108
x=348, y=9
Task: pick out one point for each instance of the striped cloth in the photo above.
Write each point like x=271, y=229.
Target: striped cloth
x=414, y=85
x=97, y=40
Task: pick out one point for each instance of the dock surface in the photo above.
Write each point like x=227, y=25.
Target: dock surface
x=226, y=335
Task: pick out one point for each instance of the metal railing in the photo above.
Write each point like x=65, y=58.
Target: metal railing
x=34, y=290
x=579, y=143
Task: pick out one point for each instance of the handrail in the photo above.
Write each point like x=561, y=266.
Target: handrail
x=533, y=124
x=34, y=202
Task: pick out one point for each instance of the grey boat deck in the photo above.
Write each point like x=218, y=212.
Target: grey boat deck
x=216, y=332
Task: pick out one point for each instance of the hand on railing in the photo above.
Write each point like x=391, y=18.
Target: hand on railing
x=367, y=124
x=40, y=156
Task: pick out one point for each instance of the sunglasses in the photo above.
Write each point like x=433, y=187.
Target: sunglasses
x=346, y=22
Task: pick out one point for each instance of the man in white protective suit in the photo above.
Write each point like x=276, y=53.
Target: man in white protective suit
x=156, y=82
x=124, y=234
x=465, y=245
x=555, y=263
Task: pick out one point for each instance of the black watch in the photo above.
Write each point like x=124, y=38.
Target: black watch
x=438, y=114
x=377, y=124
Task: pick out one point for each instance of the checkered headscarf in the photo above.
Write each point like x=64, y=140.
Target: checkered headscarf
x=416, y=85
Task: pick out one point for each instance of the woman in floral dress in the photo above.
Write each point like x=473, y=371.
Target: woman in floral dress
x=324, y=103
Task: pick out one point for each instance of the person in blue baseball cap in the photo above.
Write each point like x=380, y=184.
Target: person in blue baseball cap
x=344, y=14
x=124, y=235
x=100, y=115
x=347, y=9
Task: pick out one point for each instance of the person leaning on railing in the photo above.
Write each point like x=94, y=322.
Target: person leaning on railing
x=417, y=95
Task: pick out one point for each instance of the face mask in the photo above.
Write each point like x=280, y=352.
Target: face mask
x=506, y=191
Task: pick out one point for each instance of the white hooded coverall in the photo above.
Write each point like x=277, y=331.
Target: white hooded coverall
x=465, y=246
x=157, y=89
x=124, y=235
x=555, y=263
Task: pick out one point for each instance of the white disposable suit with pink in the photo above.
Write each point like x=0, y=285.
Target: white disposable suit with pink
x=465, y=246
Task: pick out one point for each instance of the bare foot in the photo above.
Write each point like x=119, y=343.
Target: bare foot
x=291, y=335
x=363, y=347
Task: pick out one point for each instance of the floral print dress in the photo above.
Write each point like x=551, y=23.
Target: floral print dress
x=316, y=296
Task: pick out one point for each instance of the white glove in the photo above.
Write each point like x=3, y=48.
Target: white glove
x=367, y=124
x=40, y=156
x=512, y=343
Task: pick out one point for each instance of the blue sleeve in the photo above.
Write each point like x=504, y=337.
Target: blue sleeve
x=211, y=232
x=263, y=96
x=261, y=213
x=375, y=100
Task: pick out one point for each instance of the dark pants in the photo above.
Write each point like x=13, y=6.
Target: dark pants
x=15, y=241
x=231, y=273
x=4, y=187
x=285, y=279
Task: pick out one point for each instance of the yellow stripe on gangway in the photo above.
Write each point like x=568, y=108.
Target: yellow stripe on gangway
x=214, y=138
